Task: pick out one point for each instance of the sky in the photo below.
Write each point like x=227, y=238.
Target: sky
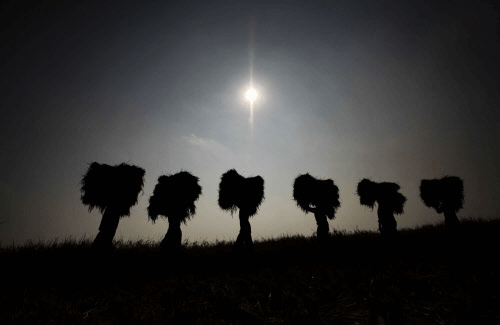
x=394, y=91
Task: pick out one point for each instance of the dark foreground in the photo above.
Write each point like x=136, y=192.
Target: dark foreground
x=425, y=276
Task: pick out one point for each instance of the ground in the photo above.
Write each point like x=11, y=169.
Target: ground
x=423, y=276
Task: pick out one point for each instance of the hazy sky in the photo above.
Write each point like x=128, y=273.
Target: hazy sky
x=394, y=91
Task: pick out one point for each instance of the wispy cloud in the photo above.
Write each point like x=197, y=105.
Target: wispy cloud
x=211, y=148
x=206, y=144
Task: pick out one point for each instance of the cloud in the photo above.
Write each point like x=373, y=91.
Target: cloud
x=198, y=141
x=212, y=156
x=213, y=147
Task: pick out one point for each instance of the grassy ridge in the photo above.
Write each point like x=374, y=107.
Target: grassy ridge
x=424, y=276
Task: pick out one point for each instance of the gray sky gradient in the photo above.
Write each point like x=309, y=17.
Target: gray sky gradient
x=393, y=91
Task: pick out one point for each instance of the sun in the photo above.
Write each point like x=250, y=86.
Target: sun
x=251, y=95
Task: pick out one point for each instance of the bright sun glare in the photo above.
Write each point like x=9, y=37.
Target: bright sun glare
x=251, y=95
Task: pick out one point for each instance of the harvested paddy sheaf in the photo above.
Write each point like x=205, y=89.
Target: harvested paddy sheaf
x=445, y=195
x=245, y=194
x=174, y=197
x=426, y=275
x=238, y=192
x=309, y=191
x=388, y=199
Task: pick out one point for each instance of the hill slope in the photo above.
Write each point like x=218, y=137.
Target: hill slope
x=424, y=276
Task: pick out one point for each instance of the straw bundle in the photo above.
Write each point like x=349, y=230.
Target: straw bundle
x=117, y=186
x=236, y=191
x=453, y=192
x=252, y=194
x=323, y=194
x=447, y=191
x=394, y=200
x=367, y=191
x=384, y=193
x=430, y=192
x=174, y=197
x=304, y=191
x=230, y=184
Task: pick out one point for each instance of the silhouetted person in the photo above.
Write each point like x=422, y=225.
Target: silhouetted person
x=172, y=241
x=386, y=221
x=244, y=239
x=445, y=195
x=245, y=194
x=321, y=222
x=107, y=229
x=389, y=201
x=113, y=190
x=320, y=197
x=174, y=198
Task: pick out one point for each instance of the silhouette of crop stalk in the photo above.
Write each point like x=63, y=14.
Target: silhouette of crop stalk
x=174, y=198
x=113, y=190
x=320, y=197
x=245, y=194
x=445, y=195
x=389, y=201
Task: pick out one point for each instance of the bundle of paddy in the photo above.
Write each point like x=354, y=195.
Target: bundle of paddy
x=445, y=195
x=174, y=198
x=320, y=197
x=389, y=201
x=245, y=194
x=113, y=190
x=238, y=192
x=367, y=191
